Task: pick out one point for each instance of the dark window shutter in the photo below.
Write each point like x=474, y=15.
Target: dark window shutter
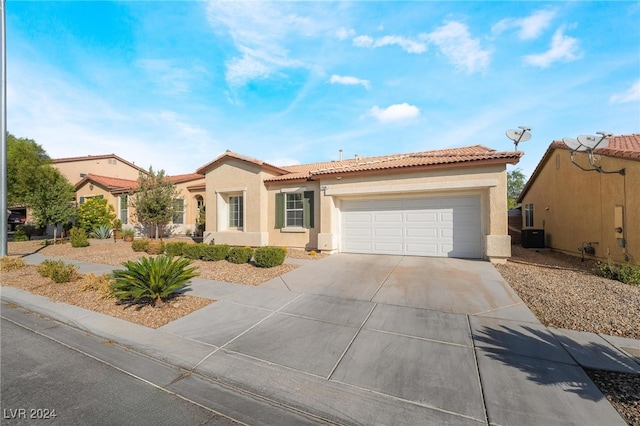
x=307, y=209
x=279, y=210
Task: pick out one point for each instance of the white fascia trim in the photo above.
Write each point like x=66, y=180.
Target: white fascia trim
x=227, y=190
x=298, y=189
x=414, y=187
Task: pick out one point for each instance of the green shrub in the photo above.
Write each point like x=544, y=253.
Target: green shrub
x=140, y=245
x=240, y=254
x=20, y=234
x=58, y=271
x=94, y=212
x=626, y=273
x=215, y=252
x=78, y=238
x=11, y=263
x=101, y=232
x=129, y=232
x=193, y=251
x=268, y=257
x=174, y=249
x=155, y=247
x=152, y=278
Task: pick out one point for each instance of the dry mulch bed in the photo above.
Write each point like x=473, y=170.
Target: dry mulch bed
x=115, y=253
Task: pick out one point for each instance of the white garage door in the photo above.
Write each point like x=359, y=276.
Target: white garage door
x=439, y=227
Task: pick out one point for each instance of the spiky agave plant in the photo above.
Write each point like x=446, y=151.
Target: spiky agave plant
x=154, y=278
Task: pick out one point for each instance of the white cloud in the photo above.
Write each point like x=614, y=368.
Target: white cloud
x=260, y=32
x=406, y=44
x=563, y=48
x=344, y=33
x=349, y=81
x=455, y=43
x=397, y=112
x=530, y=27
x=632, y=94
x=170, y=78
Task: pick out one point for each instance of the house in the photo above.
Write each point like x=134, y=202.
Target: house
x=76, y=168
x=117, y=191
x=445, y=203
x=583, y=210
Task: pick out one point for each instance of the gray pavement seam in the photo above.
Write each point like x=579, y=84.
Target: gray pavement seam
x=351, y=342
x=478, y=374
x=245, y=331
x=386, y=278
x=497, y=309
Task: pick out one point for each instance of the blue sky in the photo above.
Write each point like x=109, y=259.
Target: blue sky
x=175, y=84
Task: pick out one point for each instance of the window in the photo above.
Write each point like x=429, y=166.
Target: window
x=236, y=209
x=528, y=215
x=124, y=208
x=294, y=210
x=178, y=211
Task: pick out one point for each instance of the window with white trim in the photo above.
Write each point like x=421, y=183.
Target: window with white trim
x=294, y=209
x=236, y=211
x=528, y=215
x=178, y=211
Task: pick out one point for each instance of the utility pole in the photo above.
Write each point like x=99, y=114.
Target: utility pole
x=3, y=132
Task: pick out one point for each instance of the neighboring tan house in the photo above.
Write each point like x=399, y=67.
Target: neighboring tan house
x=587, y=211
x=76, y=168
x=444, y=203
x=117, y=191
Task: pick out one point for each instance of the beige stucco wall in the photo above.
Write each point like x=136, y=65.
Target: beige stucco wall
x=488, y=182
x=575, y=206
x=237, y=177
x=99, y=166
x=299, y=238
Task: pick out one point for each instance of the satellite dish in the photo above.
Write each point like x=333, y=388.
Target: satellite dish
x=574, y=145
x=593, y=142
x=518, y=135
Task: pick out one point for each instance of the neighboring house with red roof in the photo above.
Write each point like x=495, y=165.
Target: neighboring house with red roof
x=579, y=207
x=443, y=203
x=76, y=168
x=117, y=191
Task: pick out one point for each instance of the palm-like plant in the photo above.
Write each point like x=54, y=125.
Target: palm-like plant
x=154, y=278
x=101, y=232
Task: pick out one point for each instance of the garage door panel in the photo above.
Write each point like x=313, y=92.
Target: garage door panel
x=430, y=226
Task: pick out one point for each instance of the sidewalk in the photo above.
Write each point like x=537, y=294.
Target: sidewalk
x=325, y=359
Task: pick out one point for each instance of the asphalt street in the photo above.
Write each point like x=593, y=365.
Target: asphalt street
x=45, y=382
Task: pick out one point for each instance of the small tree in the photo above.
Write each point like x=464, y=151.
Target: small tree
x=153, y=200
x=515, y=184
x=51, y=198
x=93, y=213
x=24, y=159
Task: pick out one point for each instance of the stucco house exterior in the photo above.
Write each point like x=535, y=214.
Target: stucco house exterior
x=76, y=168
x=444, y=203
x=579, y=208
x=190, y=187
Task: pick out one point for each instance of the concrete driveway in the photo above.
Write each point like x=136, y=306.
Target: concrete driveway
x=442, y=284
x=394, y=340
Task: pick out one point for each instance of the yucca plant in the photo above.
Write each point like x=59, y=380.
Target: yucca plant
x=101, y=232
x=153, y=278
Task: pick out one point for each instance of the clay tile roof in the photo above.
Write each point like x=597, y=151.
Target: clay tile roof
x=110, y=183
x=453, y=156
x=623, y=146
x=185, y=178
x=230, y=154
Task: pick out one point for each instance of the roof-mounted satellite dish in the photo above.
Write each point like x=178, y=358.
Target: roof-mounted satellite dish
x=574, y=145
x=587, y=143
x=518, y=136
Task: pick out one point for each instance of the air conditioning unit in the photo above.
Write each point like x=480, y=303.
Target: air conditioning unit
x=532, y=238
